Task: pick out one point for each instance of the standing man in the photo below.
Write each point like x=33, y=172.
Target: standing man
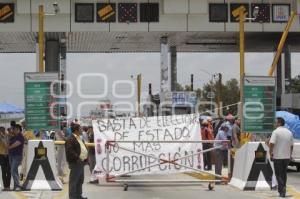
x=92, y=157
x=4, y=160
x=16, y=144
x=207, y=135
x=61, y=154
x=221, y=152
x=281, y=148
x=236, y=134
x=76, y=153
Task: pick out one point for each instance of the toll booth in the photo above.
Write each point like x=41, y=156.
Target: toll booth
x=171, y=103
x=291, y=102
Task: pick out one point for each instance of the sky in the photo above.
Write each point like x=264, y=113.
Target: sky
x=123, y=66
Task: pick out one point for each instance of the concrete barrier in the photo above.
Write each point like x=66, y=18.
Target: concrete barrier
x=253, y=169
x=41, y=166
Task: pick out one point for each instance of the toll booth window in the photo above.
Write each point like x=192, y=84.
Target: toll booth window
x=127, y=12
x=234, y=6
x=106, y=12
x=84, y=12
x=149, y=12
x=263, y=13
x=218, y=12
x=7, y=12
x=280, y=12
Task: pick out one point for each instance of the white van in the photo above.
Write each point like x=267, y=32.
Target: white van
x=296, y=155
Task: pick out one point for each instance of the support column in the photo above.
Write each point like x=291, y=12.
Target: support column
x=165, y=72
x=164, y=65
x=173, y=51
x=63, y=77
x=52, y=58
x=287, y=68
x=283, y=74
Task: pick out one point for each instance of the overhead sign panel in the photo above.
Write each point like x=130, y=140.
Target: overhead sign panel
x=280, y=12
x=40, y=109
x=149, y=12
x=127, y=12
x=106, y=12
x=263, y=13
x=218, y=12
x=7, y=14
x=259, y=104
x=84, y=12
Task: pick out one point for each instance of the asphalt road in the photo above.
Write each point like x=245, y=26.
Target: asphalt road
x=115, y=191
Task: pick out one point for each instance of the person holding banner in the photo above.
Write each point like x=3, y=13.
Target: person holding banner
x=77, y=154
x=221, y=152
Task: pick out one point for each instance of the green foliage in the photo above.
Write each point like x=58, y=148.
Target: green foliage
x=230, y=94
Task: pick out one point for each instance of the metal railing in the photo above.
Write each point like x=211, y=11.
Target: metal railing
x=114, y=178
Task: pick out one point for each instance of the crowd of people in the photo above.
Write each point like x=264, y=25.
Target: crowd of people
x=13, y=154
x=227, y=135
x=217, y=138
x=222, y=137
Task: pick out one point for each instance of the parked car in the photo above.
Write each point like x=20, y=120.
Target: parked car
x=296, y=155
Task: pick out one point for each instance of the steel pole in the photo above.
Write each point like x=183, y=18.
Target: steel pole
x=139, y=82
x=211, y=90
x=242, y=61
x=281, y=44
x=41, y=39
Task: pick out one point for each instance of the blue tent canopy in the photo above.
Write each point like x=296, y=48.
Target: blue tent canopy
x=10, y=108
x=292, y=122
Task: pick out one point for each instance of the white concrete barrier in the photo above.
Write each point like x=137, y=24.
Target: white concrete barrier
x=41, y=166
x=253, y=169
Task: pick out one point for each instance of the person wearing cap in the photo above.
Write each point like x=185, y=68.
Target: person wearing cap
x=221, y=151
x=76, y=154
x=207, y=135
x=229, y=121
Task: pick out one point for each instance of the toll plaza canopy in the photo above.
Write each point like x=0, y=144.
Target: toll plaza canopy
x=86, y=26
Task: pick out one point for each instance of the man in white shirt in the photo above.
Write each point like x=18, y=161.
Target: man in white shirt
x=281, y=148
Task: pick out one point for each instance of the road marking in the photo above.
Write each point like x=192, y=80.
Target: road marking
x=38, y=194
x=62, y=193
x=292, y=191
x=29, y=194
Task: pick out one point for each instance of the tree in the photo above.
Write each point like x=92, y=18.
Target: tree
x=179, y=87
x=229, y=95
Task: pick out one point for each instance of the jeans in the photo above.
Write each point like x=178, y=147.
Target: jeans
x=15, y=161
x=61, y=160
x=280, y=167
x=221, y=157
x=5, y=167
x=206, y=156
x=76, y=180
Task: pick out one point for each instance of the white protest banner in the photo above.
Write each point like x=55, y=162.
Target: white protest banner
x=153, y=143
